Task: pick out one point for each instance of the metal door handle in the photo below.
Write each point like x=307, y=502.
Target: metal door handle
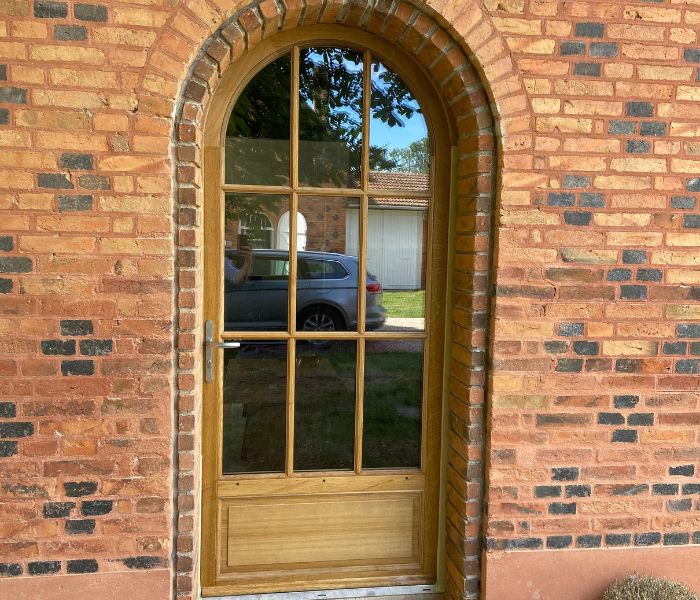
x=209, y=345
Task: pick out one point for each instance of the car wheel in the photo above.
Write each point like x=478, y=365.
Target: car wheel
x=319, y=318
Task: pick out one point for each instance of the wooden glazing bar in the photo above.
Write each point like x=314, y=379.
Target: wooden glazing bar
x=311, y=191
x=321, y=335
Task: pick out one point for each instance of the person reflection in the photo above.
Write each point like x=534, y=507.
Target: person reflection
x=237, y=275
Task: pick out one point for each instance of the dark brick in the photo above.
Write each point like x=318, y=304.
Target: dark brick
x=562, y=508
x=4, y=116
x=16, y=429
x=683, y=505
x=10, y=569
x=547, y=491
x=691, y=221
x=5, y=286
x=13, y=95
x=696, y=537
x=691, y=488
x=690, y=366
x=683, y=202
x=555, y=347
x=560, y=199
x=592, y=200
x=80, y=526
x=639, y=109
x=665, y=489
x=695, y=348
x=70, y=33
x=640, y=420
x=676, y=539
x=572, y=48
x=628, y=365
x=571, y=329
x=576, y=181
x=8, y=410
x=586, y=348
x=563, y=419
x=606, y=418
x=75, y=203
x=589, y=541
x=684, y=330
x=82, y=162
x=633, y=292
x=92, y=508
x=46, y=9
x=625, y=401
x=586, y=69
x=634, y=257
x=556, y=542
x=604, y=49
x=44, y=567
x=565, y=473
x=618, y=539
x=90, y=12
x=682, y=470
x=142, y=562
x=693, y=185
x=578, y=491
x=638, y=146
x=58, y=510
x=85, y=565
x=624, y=436
x=58, y=347
x=3, y=72
x=650, y=538
x=95, y=347
x=77, y=367
x=691, y=55
x=652, y=129
x=75, y=489
x=619, y=274
x=15, y=264
x=622, y=127
x=577, y=218
x=76, y=327
x=8, y=449
x=524, y=544
x=590, y=30
x=58, y=181
x=569, y=365
x=93, y=182
x=6, y=243
x=631, y=489
x=649, y=275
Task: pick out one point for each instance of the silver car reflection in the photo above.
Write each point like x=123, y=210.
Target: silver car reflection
x=326, y=293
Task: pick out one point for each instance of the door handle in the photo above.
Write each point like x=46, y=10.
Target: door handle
x=209, y=345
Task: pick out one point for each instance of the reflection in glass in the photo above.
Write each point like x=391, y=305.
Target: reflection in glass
x=330, y=117
x=256, y=274
x=258, y=132
x=327, y=266
x=392, y=404
x=324, y=406
x=399, y=148
x=254, y=408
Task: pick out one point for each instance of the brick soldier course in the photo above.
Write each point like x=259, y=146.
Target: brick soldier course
x=573, y=412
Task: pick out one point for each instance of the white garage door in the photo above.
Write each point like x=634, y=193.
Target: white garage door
x=394, y=246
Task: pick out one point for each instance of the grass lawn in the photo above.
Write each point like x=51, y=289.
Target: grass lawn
x=404, y=304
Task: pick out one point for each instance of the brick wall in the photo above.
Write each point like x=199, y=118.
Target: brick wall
x=591, y=429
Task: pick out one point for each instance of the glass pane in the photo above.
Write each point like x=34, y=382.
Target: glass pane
x=257, y=136
x=324, y=406
x=392, y=404
x=327, y=264
x=330, y=117
x=256, y=263
x=255, y=391
x=397, y=258
x=399, y=148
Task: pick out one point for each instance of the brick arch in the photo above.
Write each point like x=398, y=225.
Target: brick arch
x=459, y=58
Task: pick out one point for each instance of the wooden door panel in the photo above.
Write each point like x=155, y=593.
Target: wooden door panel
x=321, y=531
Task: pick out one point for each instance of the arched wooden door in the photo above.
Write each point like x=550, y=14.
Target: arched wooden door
x=321, y=436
